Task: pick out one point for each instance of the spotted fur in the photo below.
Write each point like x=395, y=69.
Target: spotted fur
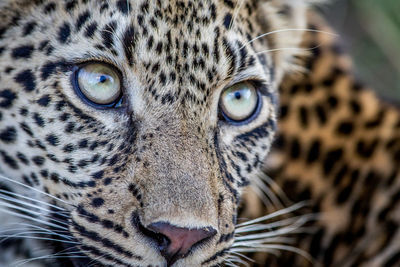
x=89, y=180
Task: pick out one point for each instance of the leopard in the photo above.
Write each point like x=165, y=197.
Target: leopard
x=190, y=133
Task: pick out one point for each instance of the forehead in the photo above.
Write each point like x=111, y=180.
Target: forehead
x=138, y=26
x=171, y=50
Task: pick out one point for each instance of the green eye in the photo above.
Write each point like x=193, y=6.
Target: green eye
x=239, y=102
x=99, y=83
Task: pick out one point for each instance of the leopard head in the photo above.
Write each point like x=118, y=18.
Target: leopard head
x=141, y=120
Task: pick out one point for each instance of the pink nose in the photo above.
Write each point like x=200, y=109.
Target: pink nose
x=176, y=242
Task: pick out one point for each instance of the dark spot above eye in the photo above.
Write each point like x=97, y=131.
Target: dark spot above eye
x=38, y=119
x=44, y=101
x=229, y=3
x=108, y=34
x=8, y=135
x=48, y=69
x=228, y=20
x=25, y=127
x=24, y=51
x=70, y=5
x=64, y=33
x=7, y=98
x=91, y=29
x=49, y=8
x=29, y=28
x=159, y=47
x=124, y=6
x=82, y=19
x=52, y=140
x=8, y=160
x=22, y=157
x=26, y=79
x=83, y=143
x=129, y=42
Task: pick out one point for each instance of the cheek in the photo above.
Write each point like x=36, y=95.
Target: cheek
x=245, y=154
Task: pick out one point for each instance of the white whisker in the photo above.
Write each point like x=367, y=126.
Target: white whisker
x=49, y=230
x=275, y=187
x=278, y=235
x=37, y=237
x=34, y=189
x=23, y=234
x=269, y=240
x=270, y=250
x=22, y=263
x=32, y=219
x=258, y=183
x=284, y=211
x=236, y=13
x=27, y=226
x=285, y=30
x=268, y=247
x=263, y=197
x=241, y=255
x=230, y=262
x=269, y=226
x=266, y=236
x=61, y=254
x=31, y=199
x=31, y=212
x=288, y=48
x=18, y=201
x=42, y=231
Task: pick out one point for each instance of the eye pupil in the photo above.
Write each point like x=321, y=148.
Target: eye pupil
x=238, y=95
x=103, y=79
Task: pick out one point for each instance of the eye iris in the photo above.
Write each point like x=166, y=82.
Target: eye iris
x=99, y=83
x=239, y=101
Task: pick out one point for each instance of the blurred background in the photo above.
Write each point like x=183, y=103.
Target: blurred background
x=370, y=30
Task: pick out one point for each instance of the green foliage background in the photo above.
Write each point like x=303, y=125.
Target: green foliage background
x=371, y=31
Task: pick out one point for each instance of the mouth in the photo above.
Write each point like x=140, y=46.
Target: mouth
x=68, y=251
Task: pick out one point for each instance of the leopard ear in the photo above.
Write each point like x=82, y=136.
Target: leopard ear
x=286, y=19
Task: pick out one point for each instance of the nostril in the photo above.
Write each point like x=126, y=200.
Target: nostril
x=161, y=239
x=176, y=242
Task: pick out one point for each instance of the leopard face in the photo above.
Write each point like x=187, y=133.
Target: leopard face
x=120, y=114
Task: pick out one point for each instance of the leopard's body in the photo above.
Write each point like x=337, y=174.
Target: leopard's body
x=338, y=145
x=92, y=181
